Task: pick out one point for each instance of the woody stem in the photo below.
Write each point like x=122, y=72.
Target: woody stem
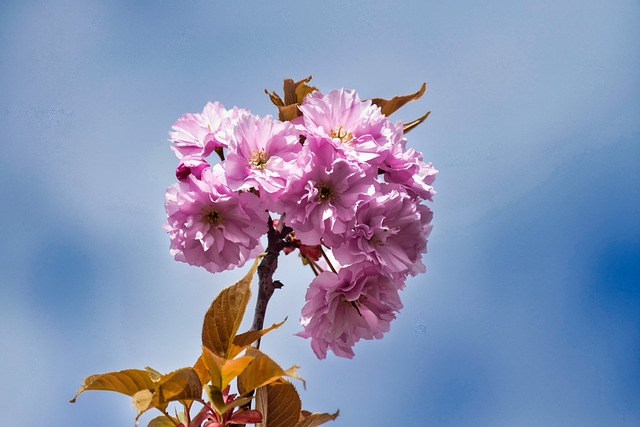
x=266, y=285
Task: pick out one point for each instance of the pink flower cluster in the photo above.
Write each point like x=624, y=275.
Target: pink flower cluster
x=339, y=175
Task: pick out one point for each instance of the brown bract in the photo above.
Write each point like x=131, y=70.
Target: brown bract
x=294, y=93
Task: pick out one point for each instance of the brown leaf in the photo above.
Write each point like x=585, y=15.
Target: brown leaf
x=408, y=126
x=129, y=382
x=222, y=320
x=275, y=98
x=289, y=88
x=261, y=371
x=303, y=89
x=223, y=371
x=289, y=112
x=389, y=106
x=201, y=370
x=307, y=419
x=242, y=341
x=279, y=404
x=294, y=93
x=142, y=401
x=183, y=384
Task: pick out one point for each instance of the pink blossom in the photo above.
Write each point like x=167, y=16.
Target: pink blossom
x=408, y=169
x=212, y=226
x=389, y=231
x=356, y=127
x=262, y=152
x=321, y=203
x=201, y=133
x=356, y=303
x=191, y=165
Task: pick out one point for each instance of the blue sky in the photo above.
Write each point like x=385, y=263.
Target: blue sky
x=529, y=313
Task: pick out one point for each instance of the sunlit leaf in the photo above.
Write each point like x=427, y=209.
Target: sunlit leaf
x=279, y=404
x=307, y=419
x=216, y=399
x=223, y=371
x=129, y=382
x=408, y=126
x=201, y=370
x=242, y=341
x=214, y=394
x=261, y=371
x=183, y=384
x=222, y=320
x=391, y=105
x=161, y=421
x=155, y=375
x=142, y=401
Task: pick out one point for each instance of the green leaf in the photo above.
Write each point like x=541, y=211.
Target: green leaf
x=161, y=421
x=262, y=371
x=242, y=341
x=279, y=404
x=129, y=382
x=307, y=419
x=388, y=107
x=222, y=320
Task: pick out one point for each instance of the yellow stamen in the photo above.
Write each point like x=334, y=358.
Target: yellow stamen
x=259, y=159
x=342, y=134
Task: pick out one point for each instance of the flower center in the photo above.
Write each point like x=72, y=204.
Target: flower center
x=213, y=217
x=325, y=192
x=259, y=159
x=342, y=134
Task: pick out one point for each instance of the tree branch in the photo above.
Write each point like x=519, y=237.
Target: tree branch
x=266, y=285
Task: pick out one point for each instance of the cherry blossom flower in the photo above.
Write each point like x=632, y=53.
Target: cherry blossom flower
x=201, y=133
x=356, y=127
x=321, y=203
x=191, y=165
x=212, y=226
x=341, y=309
x=262, y=152
x=390, y=231
x=342, y=179
x=408, y=169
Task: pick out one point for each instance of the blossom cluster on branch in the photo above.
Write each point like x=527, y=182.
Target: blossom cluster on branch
x=338, y=173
